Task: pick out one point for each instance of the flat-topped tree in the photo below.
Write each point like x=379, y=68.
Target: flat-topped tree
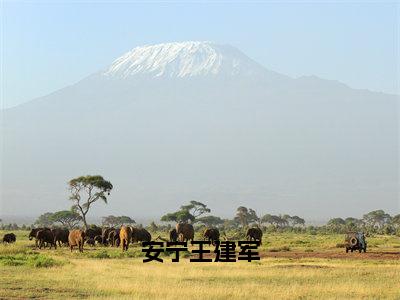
x=67, y=218
x=113, y=221
x=86, y=190
x=178, y=216
x=196, y=208
x=187, y=213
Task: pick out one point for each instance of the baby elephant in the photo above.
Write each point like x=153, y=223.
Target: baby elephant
x=212, y=235
x=255, y=234
x=9, y=238
x=173, y=235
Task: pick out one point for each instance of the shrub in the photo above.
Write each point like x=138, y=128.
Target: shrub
x=32, y=260
x=11, y=261
x=41, y=261
x=100, y=255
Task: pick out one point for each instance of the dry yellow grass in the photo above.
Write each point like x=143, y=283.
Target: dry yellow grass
x=270, y=279
x=82, y=276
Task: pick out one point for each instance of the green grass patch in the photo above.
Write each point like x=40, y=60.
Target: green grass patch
x=103, y=254
x=31, y=260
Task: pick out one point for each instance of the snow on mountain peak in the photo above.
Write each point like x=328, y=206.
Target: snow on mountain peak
x=184, y=59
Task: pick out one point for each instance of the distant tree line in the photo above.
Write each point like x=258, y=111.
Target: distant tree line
x=14, y=226
x=374, y=222
x=86, y=190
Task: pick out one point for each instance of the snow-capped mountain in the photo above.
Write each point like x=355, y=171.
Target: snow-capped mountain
x=196, y=120
x=185, y=59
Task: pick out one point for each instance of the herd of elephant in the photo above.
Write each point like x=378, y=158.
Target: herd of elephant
x=123, y=236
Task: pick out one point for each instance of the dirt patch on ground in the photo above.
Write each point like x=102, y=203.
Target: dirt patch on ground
x=302, y=266
x=379, y=255
x=373, y=255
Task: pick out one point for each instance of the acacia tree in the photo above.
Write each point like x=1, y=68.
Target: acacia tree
x=113, y=221
x=274, y=220
x=179, y=216
x=245, y=216
x=296, y=220
x=242, y=215
x=86, y=190
x=292, y=220
x=353, y=224
x=45, y=220
x=67, y=218
x=336, y=224
x=196, y=208
x=187, y=213
x=376, y=218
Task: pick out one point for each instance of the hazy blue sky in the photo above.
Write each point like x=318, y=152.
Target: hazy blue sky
x=46, y=46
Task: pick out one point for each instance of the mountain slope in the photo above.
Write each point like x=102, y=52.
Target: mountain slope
x=175, y=122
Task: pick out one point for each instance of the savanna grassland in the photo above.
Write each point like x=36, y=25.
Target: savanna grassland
x=292, y=266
